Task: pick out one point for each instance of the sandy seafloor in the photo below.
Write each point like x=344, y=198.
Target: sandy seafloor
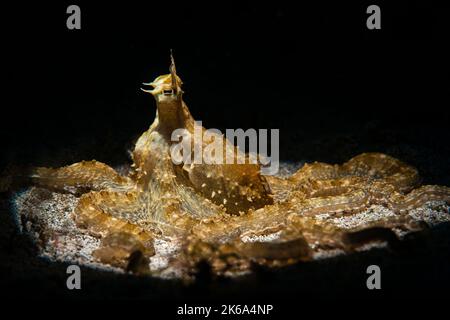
x=46, y=217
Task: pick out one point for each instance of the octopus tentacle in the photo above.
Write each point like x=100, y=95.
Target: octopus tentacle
x=418, y=197
x=112, y=216
x=104, y=212
x=236, y=256
x=125, y=250
x=81, y=177
x=380, y=166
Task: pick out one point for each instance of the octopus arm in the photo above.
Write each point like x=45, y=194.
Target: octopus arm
x=104, y=212
x=418, y=197
x=80, y=177
x=112, y=217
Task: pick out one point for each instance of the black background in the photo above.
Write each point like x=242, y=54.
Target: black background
x=332, y=87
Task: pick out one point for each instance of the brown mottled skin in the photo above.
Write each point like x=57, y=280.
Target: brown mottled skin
x=212, y=207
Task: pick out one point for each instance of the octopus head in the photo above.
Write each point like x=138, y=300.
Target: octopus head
x=166, y=87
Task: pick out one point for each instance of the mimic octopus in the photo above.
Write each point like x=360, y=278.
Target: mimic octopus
x=212, y=207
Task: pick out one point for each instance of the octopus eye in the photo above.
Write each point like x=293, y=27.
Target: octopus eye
x=168, y=92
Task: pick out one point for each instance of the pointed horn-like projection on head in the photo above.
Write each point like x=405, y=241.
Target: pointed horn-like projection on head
x=148, y=91
x=173, y=73
x=148, y=84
